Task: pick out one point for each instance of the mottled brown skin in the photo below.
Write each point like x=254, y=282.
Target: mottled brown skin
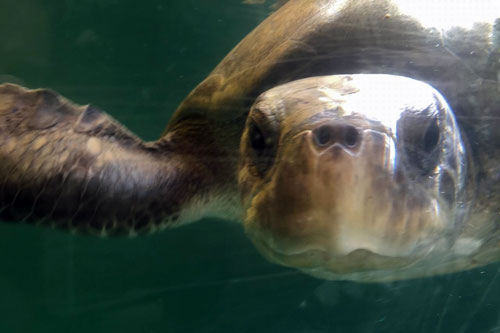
x=74, y=167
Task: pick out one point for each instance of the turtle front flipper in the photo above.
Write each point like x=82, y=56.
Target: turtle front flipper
x=76, y=168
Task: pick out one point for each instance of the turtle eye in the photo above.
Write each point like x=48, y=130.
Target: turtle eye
x=257, y=139
x=420, y=137
x=262, y=146
x=431, y=136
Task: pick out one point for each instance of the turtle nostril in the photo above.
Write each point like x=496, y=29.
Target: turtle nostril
x=351, y=136
x=335, y=133
x=322, y=136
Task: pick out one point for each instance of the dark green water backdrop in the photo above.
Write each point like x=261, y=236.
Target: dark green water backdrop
x=137, y=60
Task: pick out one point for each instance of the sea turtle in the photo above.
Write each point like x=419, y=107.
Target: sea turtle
x=355, y=139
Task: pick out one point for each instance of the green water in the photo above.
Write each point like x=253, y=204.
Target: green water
x=137, y=60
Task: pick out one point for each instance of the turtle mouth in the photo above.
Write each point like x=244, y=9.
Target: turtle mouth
x=291, y=255
x=322, y=263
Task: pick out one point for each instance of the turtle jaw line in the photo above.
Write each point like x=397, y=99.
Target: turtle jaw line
x=344, y=248
x=323, y=264
x=310, y=258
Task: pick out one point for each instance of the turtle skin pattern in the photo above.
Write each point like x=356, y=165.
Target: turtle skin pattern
x=74, y=167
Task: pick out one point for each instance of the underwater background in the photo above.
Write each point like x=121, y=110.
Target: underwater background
x=137, y=60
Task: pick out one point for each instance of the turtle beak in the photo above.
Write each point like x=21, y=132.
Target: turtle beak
x=334, y=194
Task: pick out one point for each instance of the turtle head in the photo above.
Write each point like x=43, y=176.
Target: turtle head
x=350, y=176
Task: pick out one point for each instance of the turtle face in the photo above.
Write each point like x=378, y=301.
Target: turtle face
x=342, y=176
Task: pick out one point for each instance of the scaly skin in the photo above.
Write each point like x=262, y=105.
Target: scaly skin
x=76, y=168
